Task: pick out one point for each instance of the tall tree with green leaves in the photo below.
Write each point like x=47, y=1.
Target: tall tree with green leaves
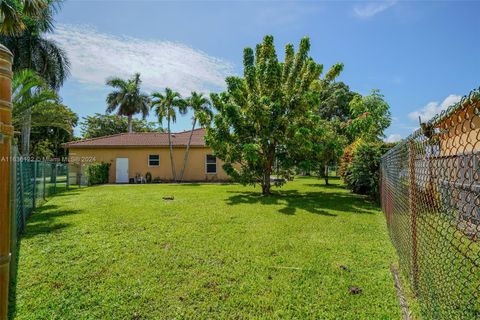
x=202, y=113
x=29, y=92
x=261, y=114
x=51, y=127
x=333, y=99
x=166, y=106
x=370, y=117
x=127, y=99
x=32, y=50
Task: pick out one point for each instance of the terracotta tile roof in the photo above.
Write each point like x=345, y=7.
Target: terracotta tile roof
x=141, y=139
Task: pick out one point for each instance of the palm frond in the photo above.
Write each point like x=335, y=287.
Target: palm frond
x=117, y=82
x=10, y=17
x=127, y=100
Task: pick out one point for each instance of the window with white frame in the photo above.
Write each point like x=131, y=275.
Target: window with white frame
x=153, y=160
x=210, y=164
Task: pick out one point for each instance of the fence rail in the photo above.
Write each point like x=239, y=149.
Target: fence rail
x=430, y=185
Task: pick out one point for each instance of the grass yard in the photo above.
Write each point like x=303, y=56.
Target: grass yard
x=215, y=252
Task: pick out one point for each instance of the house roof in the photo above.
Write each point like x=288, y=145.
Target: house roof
x=141, y=139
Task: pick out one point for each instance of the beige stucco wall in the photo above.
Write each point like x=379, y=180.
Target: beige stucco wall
x=138, y=162
x=461, y=133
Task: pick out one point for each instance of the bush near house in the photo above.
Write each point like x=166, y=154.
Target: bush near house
x=97, y=173
x=360, y=166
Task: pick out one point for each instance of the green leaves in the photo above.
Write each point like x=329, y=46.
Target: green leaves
x=97, y=173
x=362, y=167
x=200, y=105
x=127, y=99
x=167, y=104
x=334, y=72
x=14, y=12
x=29, y=91
x=267, y=118
x=100, y=125
x=370, y=116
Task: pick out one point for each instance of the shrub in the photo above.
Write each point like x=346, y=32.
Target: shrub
x=346, y=158
x=97, y=173
x=361, y=167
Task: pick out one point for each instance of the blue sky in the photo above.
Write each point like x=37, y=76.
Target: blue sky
x=422, y=55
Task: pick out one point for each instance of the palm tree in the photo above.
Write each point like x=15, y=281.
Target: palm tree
x=29, y=92
x=202, y=113
x=165, y=107
x=33, y=51
x=128, y=100
x=12, y=13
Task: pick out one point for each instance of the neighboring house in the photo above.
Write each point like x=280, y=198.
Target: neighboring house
x=455, y=163
x=132, y=155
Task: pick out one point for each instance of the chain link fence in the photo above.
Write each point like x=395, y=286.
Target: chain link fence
x=32, y=183
x=35, y=181
x=430, y=193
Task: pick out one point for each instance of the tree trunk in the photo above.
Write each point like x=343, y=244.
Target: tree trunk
x=188, y=149
x=174, y=175
x=326, y=174
x=130, y=128
x=267, y=171
x=266, y=184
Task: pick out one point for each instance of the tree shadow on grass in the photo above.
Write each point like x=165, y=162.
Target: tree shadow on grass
x=198, y=184
x=43, y=221
x=317, y=202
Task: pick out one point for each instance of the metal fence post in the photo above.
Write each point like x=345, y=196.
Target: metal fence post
x=22, y=194
x=55, y=180
x=413, y=212
x=68, y=176
x=34, y=193
x=44, y=179
x=80, y=174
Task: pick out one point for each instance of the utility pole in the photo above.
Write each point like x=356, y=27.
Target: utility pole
x=6, y=133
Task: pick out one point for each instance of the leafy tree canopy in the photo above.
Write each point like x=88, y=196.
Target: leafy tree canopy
x=333, y=99
x=14, y=13
x=31, y=49
x=51, y=126
x=370, y=117
x=100, y=125
x=326, y=148
x=266, y=118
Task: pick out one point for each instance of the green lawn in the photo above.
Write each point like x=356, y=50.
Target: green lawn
x=216, y=251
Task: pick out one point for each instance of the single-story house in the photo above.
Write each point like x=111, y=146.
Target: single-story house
x=132, y=155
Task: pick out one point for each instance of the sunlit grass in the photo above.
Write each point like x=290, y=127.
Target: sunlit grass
x=215, y=251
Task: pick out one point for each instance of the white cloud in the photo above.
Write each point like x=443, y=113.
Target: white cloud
x=370, y=9
x=97, y=56
x=432, y=108
x=393, y=138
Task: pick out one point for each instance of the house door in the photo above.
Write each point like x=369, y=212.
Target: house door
x=122, y=170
